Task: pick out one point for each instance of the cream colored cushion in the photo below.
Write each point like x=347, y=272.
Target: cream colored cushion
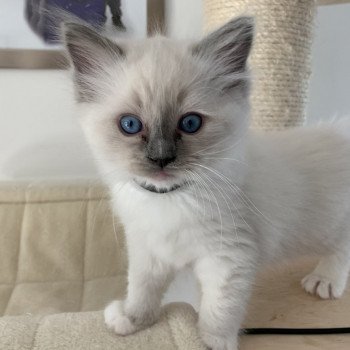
x=58, y=251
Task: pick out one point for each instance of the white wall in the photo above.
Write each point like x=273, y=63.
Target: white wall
x=184, y=18
x=14, y=31
x=329, y=94
x=39, y=133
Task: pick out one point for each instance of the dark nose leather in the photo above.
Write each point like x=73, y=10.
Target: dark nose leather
x=162, y=162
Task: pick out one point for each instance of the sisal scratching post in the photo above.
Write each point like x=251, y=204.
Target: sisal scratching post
x=280, y=59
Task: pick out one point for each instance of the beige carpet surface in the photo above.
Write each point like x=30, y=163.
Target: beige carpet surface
x=60, y=263
x=85, y=330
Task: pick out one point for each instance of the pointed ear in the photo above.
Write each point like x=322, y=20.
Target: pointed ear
x=227, y=49
x=90, y=53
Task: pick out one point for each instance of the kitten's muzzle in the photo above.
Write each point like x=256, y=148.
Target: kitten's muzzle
x=162, y=162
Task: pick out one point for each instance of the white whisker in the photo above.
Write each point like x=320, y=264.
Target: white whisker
x=216, y=202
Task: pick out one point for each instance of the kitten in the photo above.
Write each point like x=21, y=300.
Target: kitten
x=168, y=123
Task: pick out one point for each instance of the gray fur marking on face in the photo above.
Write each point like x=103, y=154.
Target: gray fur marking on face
x=161, y=147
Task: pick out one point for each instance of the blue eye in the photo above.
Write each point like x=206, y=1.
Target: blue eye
x=190, y=123
x=130, y=124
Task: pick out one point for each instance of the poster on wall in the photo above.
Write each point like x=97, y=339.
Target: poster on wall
x=33, y=24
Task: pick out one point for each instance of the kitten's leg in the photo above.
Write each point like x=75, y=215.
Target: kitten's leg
x=329, y=278
x=226, y=287
x=147, y=280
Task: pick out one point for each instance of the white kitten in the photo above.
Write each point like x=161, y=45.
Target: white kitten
x=168, y=122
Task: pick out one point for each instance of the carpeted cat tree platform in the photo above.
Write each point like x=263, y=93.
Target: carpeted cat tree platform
x=60, y=261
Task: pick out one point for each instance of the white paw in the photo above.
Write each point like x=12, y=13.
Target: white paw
x=116, y=320
x=214, y=342
x=324, y=287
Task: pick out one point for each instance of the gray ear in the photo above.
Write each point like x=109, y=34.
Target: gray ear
x=227, y=49
x=89, y=53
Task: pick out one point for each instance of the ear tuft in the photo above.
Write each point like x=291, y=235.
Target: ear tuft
x=227, y=49
x=91, y=54
x=86, y=47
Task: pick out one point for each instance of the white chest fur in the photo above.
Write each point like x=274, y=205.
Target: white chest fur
x=167, y=225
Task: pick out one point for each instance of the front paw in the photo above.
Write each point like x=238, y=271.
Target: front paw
x=219, y=342
x=116, y=319
x=126, y=320
x=324, y=286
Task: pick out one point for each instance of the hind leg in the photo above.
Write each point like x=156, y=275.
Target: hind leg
x=329, y=278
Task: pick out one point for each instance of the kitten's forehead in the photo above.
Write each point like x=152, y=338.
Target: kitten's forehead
x=163, y=72
x=160, y=55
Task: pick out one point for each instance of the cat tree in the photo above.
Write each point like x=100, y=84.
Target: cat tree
x=280, y=58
